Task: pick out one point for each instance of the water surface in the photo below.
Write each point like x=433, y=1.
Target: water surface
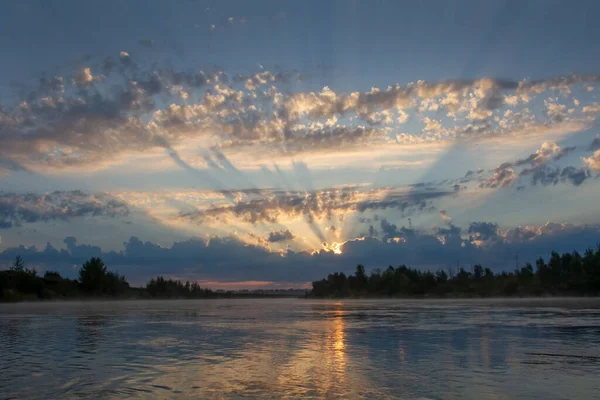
x=292, y=348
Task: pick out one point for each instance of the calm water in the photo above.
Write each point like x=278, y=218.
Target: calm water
x=301, y=349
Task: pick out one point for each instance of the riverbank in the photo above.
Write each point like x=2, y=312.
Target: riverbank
x=23, y=286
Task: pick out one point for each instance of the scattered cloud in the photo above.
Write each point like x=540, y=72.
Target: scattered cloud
x=17, y=209
x=97, y=119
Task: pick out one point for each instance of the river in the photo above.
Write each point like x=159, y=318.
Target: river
x=296, y=348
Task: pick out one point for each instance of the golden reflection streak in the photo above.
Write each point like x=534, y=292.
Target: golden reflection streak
x=339, y=335
x=315, y=367
x=322, y=363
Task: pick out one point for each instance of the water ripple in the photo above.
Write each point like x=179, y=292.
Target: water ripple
x=290, y=349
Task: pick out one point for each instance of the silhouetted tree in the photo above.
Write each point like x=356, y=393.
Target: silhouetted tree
x=18, y=265
x=362, y=281
x=52, y=275
x=477, y=272
x=94, y=277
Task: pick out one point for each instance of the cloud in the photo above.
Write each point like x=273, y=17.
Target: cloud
x=96, y=121
x=503, y=176
x=556, y=112
x=275, y=206
x=575, y=176
x=90, y=126
x=476, y=98
x=593, y=162
x=595, y=145
x=551, y=176
x=228, y=259
x=483, y=231
x=280, y=236
x=549, y=151
x=540, y=172
x=431, y=124
x=84, y=77
x=592, y=109
x=445, y=217
x=8, y=165
x=17, y=209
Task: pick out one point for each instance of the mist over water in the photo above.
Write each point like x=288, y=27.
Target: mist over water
x=484, y=349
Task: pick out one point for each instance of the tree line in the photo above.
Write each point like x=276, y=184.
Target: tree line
x=564, y=274
x=95, y=280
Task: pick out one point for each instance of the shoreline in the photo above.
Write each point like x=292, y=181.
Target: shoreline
x=308, y=298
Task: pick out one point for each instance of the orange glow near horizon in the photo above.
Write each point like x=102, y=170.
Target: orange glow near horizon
x=253, y=285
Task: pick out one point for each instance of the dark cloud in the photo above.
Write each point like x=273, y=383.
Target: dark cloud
x=551, y=176
x=483, y=230
x=280, y=236
x=575, y=176
x=230, y=259
x=16, y=209
x=451, y=230
x=470, y=173
x=388, y=229
x=595, y=145
x=391, y=231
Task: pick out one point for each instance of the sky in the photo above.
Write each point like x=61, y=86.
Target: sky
x=266, y=144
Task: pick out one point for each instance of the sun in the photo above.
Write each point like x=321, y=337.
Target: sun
x=335, y=247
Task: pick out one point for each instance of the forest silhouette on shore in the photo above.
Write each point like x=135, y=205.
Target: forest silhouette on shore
x=95, y=280
x=568, y=274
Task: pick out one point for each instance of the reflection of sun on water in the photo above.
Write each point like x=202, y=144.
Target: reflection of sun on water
x=338, y=337
x=336, y=345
